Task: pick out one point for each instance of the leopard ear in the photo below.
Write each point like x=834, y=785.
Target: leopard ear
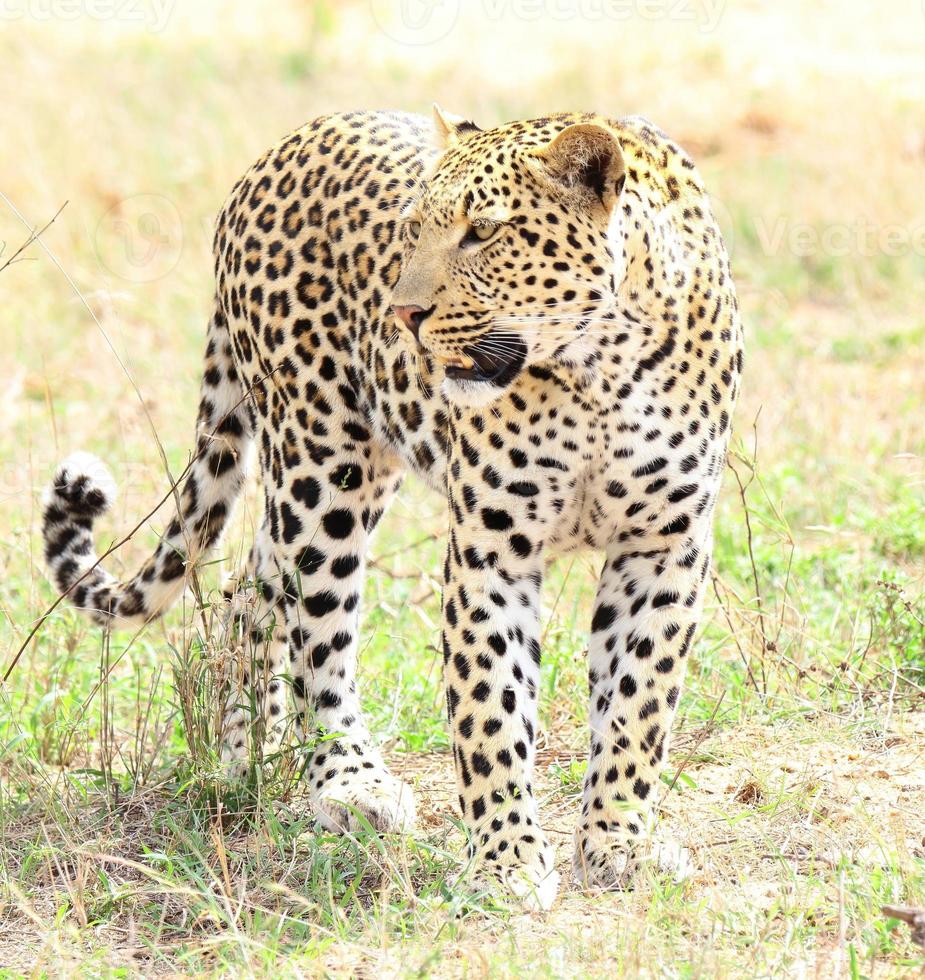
x=450, y=129
x=586, y=157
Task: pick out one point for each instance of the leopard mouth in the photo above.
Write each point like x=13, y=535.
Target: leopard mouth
x=496, y=361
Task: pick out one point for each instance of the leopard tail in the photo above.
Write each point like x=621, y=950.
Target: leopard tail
x=83, y=489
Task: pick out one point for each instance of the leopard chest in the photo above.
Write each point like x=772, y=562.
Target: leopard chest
x=655, y=477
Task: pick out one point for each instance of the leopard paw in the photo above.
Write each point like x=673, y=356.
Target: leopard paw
x=610, y=861
x=522, y=868
x=352, y=790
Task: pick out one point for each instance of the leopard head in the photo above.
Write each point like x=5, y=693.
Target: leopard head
x=513, y=250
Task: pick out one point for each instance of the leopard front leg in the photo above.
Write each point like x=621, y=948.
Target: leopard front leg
x=645, y=616
x=491, y=604
x=321, y=522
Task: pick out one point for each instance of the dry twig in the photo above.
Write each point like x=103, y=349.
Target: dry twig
x=34, y=235
x=914, y=918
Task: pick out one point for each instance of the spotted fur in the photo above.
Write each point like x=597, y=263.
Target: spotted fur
x=539, y=321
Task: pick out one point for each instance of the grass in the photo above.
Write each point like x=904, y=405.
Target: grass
x=796, y=775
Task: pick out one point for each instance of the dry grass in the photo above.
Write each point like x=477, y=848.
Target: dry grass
x=798, y=765
x=789, y=832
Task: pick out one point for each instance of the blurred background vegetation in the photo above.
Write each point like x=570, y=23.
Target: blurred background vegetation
x=808, y=124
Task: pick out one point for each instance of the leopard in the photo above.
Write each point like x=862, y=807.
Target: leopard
x=538, y=320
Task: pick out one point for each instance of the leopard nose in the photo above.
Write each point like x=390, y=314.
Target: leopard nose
x=412, y=317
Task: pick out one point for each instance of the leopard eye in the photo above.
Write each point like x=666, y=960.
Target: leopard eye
x=481, y=232
x=414, y=229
